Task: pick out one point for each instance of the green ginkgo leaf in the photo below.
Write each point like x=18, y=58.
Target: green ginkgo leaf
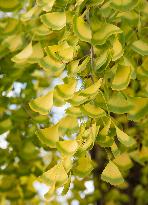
x=42, y=104
x=23, y=55
x=49, y=136
x=125, y=139
x=9, y=5
x=111, y=174
x=67, y=147
x=10, y=27
x=82, y=29
x=140, y=47
x=117, y=50
x=123, y=161
x=121, y=78
x=115, y=150
x=84, y=166
x=54, y=20
x=92, y=111
x=5, y=125
x=103, y=32
x=124, y=5
x=45, y=4
x=57, y=99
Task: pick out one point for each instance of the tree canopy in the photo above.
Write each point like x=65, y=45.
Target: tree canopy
x=88, y=58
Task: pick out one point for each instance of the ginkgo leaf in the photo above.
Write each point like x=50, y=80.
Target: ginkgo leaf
x=42, y=104
x=24, y=54
x=124, y=138
x=105, y=141
x=11, y=27
x=54, y=20
x=67, y=90
x=65, y=52
x=124, y=5
x=50, y=192
x=9, y=5
x=77, y=99
x=104, y=32
x=67, y=162
x=123, y=161
x=56, y=175
x=111, y=174
x=45, y=4
x=67, y=186
x=14, y=42
x=49, y=136
x=117, y=50
x=106, y=128
x=101, y=60
x=34, y=11
x=84, y=166
x=140, y=156
x=68, y=123
x=37, y=53
x=75, y=111
x=115, y=150
x=57, y=99
x=41, y=30
x=67, y=147
x=121, y=78
x=93, y=89
x=5, y=125
x=50, y=64
x=82, y=29
x=140, y=47
x=139, y=109
x=119, y=104
x=93, y=111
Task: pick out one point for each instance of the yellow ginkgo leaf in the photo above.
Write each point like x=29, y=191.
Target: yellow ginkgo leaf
x=117, y=50
x=124, y=5
x=67, y=90
x=41, y=30
x=50, y=64
x=42, y=104
x=57, y=99
x=68, y=123
x=14, y=42
x=45, y=5
x=37, y=53
x=121, y=78
x=74, y=111
x=56, y=175
x=93, y=89
x=50, y=192
x=49, y=136
x=77, y=99
x=34, y=11
x=24, y=54
x=92, y=110
x=54, y=20
x=82, y=29
x=67, y=147
x=140, y=47
x=9, y=5
x=111, y=174
x=123, y=161
x=84, y=166
x=124, y=138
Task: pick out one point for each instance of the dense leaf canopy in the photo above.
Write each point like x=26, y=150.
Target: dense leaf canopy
x=88, y=59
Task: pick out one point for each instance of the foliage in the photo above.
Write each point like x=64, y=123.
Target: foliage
x=91, y=58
